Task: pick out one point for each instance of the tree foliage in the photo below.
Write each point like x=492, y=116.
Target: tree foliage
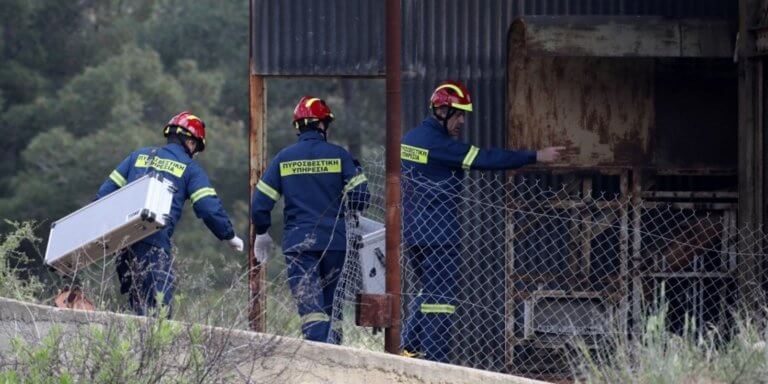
x=83, y=83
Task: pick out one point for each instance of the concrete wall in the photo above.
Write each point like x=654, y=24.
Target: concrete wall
x=260, y=357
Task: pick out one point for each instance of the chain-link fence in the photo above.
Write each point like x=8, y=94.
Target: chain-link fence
x=505, y=271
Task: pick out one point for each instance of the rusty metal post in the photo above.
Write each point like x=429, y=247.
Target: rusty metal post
x=257, y=150
x=392, y=188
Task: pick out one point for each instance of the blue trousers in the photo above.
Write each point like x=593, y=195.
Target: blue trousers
x=429, y=322
x=146, y=274
x=313, y=277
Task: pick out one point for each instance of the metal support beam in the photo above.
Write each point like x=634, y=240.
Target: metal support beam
x=750, y=174
x=392, y=188
x=257, y=148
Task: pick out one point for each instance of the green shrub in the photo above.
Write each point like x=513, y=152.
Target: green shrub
x=659, y=356
x=152, y=350
x=11, y=285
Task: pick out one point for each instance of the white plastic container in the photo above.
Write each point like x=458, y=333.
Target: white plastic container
x=372, y=255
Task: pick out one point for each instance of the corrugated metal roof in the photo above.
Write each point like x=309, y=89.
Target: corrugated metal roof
x=321, y=38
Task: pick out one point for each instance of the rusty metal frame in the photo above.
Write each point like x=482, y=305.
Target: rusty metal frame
x=602, y=37
x=616, y=295
x=645, y=280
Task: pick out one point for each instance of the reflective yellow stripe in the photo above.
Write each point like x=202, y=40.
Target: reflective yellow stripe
x=354, y=182
x=173, y=167
x=117, y=178
x=314, y=316
x=267, y=190
x=415, y=154
x=451, y=86
x=463, y=107
x=200, y=193
x=470, y=157
x=299, y=167
x=437, y=308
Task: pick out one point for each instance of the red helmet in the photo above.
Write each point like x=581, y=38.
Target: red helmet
x=311, y=109
x=451, y=94
x=185, y=123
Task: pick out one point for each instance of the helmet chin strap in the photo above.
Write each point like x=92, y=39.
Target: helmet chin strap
x=448, y=115
x=183, y=142
x=176, y=137
x=187, y=150
x=324, y=131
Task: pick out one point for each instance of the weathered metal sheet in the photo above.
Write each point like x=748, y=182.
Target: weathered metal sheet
x=601, y=109
x=669, y=113
x=623, y=36
x=320, y=38
x=373, y=310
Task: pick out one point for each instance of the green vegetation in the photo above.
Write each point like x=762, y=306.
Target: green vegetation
x=133, y=352
x=658, y=356
x=11, y=283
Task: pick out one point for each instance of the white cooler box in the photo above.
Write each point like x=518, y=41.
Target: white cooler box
x=110, y=224
x=372, y=261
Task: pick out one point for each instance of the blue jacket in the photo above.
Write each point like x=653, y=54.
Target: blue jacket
x=191, y=183
x=313, y=176
x=433, y=165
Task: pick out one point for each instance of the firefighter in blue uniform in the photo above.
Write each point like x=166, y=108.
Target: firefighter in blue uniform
x=145, y=270
x=433, y=166
x=314, y=177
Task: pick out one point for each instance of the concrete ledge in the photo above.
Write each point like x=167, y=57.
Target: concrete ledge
x=260, y=357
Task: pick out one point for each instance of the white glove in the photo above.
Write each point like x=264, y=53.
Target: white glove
x=236, y=243
x=262, y=245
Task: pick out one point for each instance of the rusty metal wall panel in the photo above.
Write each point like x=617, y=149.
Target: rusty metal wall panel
x=601, y=109
x=669, y=113
x=318, y=38
x=467, y=40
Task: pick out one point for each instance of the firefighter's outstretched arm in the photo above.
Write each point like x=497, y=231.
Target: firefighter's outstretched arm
x=208, y=207
x=457, y=154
